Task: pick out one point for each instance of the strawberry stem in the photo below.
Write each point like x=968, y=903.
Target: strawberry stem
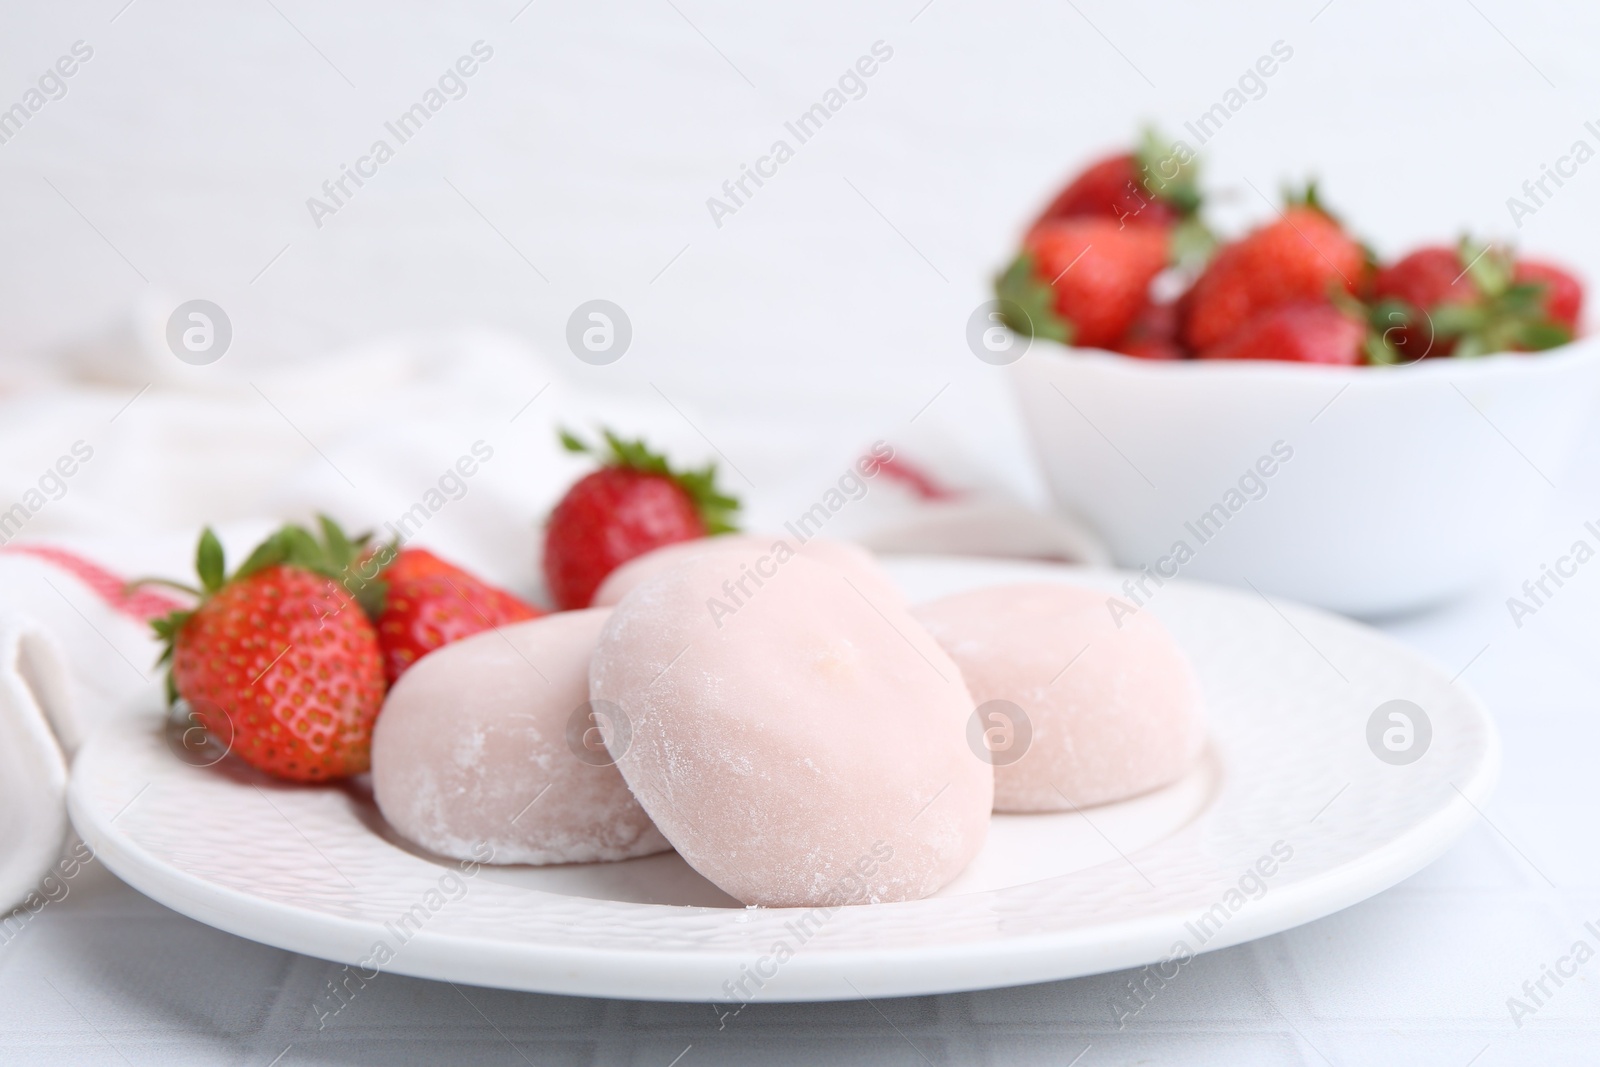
x=133, y=585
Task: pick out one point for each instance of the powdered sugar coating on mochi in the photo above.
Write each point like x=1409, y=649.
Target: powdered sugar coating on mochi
x=808, y=749
x=851, y=559
x=472, y=734
x=1124, y=718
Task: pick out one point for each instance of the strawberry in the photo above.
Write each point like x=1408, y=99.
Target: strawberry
x=1426, y=279
x=1112, y=188
x=1151, y=348
x=634, y=503
x=1153, y=334
x=1153, y=186
x=1301, y=332
x=1304, y=256
x=428, y=603
x=1470, y=301
x=1082, y=281
x=1563, y=298
x=278, y=661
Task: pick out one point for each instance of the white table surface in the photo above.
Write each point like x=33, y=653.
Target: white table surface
x=180, y=162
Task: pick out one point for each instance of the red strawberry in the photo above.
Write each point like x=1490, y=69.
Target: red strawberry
x=278, y=661
x=1082, y=281
x=1303, y=256
x=1563, y=299
x=1426, y=279
x=1151, y=349
x=1301, y=332
x=428, y=603
x=1154, y=186
x=1111, y=188
x=1469, y=301
x=634, y=503
x=1153, y=333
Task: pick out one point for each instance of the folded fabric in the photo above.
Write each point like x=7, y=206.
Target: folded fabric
x=37, y=728
x=75, y=648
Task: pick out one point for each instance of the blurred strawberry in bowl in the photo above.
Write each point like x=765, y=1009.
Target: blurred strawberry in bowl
x=1153, y=333
x=1092, y=269
x=1153, y=185
x=1082, y=281
x=1298, y=332
x=1266, y=417
x=1304, y=255
x=1471, y=300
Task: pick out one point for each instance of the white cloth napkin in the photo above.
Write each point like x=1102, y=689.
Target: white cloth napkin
x=120, y=453
x=38, y=732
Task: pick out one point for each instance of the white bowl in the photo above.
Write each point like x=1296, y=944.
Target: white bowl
x=1391, y=489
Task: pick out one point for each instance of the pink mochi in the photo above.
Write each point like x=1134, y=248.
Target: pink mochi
x=852, y=560
x=488, y=742
x=1124, y=718
x=808, y=749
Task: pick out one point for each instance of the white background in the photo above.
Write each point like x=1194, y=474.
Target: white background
x=593, y=138
x=835, y=302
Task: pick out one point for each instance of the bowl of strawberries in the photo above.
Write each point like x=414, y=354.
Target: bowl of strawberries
x=1284, y=410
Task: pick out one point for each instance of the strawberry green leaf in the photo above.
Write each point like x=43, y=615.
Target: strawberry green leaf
x=167, y=626
x=1525, y=298
x=634, y=454
x=1169, y=172
x=1192, y=243
x=1352, y=305
x=208, y=561
x=1028, y=304
x=341, y=552
x=370, y=593
x=303, y=550
x=371, y=596
x=1380, y=351
x=716, y=508
x=344, y=558
x=1540, y=336
x=166, y=630
x=1308, y=196
x=268, y=553
x=1458, y=320
x=1488, y=267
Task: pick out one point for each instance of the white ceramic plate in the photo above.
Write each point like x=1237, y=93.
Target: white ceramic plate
x=1288, y=785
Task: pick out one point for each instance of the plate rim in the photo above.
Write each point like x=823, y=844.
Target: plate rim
x=937, y=966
